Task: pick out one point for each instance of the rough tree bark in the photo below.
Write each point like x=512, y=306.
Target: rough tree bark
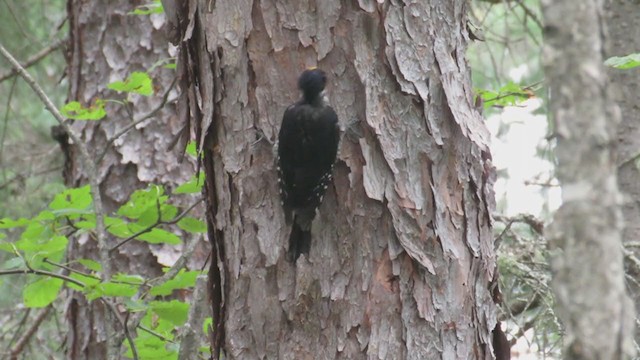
x=586, y=234
x=402, y=256
x=624, y=38
x=107, y=45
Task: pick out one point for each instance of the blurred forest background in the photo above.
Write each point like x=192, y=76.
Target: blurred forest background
x=507, y=74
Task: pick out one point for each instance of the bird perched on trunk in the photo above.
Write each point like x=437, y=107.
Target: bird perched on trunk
x=307, y=149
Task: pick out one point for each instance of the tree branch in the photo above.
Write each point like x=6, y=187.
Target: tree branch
x=24, y=339
x=41, y=273
x=91, y=174
x=156, y=224
x=35, y=58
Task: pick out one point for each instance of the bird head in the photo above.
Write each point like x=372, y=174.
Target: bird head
x=312, y=82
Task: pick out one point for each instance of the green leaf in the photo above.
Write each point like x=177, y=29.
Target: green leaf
x=192, y=149
x=138, y=82
x=158, y=236
x=88, y=223
x=151, y=348
x=150, y=215
x=509, y=95
x=118, y=227
x=8, y=247
x=174, y=311
x=171, y=66
x=135, y=305
x=207, y=326
x=15, y=263
x=184, y=279
x=44, y=248
x=624, y=62
x=148, y=9
x=194, y=185
x=141, y=200
x=87, y=281
x=74, y=110
x=72, y=201
x=192, y=225
x=7, y=223
x=111, y=288
x=91, y=264
x=41, y=292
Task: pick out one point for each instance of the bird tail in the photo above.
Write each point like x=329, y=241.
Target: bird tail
x=299, y=241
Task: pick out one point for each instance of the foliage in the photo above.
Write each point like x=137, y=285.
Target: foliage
x=34, y=244
x=30, y=165
x=510, y=94
x=624, y=62
x=506, y=73
x=38, y=248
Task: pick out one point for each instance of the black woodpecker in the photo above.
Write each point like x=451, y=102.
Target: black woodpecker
x=307, y=149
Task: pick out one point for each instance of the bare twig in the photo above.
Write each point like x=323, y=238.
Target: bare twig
x=26, y=336
x=189, y=342
x=35, y=58
x=41, y=273
x=91, y=172
x=6, y=118
x=26, y=175
x=127, y=333
x=159, y=336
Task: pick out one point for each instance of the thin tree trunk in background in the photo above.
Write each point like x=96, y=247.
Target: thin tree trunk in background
x=107, y=45
x=623, y=23
x=402, y=255
x=586, y=234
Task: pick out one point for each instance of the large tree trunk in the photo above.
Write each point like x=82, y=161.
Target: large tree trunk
x=107, y=45
x=624, y=37
x=402, y=255
x=587, y=261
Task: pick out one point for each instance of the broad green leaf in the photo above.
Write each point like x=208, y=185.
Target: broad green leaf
x=141, y=200
x=7, y=223
x=171, y=66
x=157, y=236
x=45, y=215
x=15, y=263
x=192, y=149
x=135, y=305
x=138, y=82
x=85, y=224
x=184, y=279
x=8, y=247
x=41, y=292
x=91, y=264
x=37, y=249
x=192, y=225
x=194, y=185
x=35, y=231
x=624, y=62
x=74, y=110
x=72, y=201
x=508, y=95
x=87, y=281
x=111, y=288
x=150, y=216
x=148, y=9
x=207, y=326
x=174, y=311
x=150, y=347
x=117, y=227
